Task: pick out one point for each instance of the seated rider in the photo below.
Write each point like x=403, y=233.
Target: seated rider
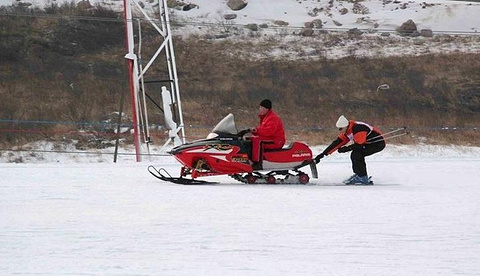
x=270, y=130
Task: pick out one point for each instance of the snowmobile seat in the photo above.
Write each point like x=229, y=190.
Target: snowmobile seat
x=284, y=148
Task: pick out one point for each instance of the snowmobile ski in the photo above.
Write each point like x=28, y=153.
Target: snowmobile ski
x=176, y=180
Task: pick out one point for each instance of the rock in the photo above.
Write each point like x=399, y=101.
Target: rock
x=360, y=9
x=280, y=23
x=252, y=27
x=343, y=11
x=179, y=5
x=84, y=5
x=317, y=24
x=306, y=32
x=407, y=28
x=236, y=5
x=189, y=7
x=315, y=12
x=229, y=16
x=415, y=34
x=426, y=33
x=354, y=32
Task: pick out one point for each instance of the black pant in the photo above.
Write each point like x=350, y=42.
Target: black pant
x=358, y=156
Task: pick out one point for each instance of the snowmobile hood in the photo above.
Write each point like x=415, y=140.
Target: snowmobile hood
x=223, y=132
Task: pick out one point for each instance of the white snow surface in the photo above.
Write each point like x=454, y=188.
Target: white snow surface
x=82, y=214
x=440, y=16
x=70, y=215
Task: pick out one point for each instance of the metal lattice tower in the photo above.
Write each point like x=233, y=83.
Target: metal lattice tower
x=137, y=69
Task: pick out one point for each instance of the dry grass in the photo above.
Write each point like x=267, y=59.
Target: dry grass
x=53, y=82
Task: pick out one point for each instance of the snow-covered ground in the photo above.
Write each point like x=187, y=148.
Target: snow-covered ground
x=377, y=19
x=438, y=15
x=87, y=218
x=81, y=214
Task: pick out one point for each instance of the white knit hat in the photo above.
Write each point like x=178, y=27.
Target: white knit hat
x=342, y=122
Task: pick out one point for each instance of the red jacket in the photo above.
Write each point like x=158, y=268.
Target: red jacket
x=271, y=128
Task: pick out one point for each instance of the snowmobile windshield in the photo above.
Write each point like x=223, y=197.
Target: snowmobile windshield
x=225, y=126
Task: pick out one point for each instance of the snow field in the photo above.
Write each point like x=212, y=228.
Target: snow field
x=421, y=218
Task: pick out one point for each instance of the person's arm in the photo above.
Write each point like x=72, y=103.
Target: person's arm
x=336, y=144
x=268, y=127
x=341, y=140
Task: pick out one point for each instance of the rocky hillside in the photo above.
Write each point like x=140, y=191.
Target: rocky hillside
x=61, y=74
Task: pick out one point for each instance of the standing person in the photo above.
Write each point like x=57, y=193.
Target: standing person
x=366, y=139
x=270, y=130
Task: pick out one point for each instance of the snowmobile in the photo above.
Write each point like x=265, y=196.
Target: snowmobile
x=227, y=151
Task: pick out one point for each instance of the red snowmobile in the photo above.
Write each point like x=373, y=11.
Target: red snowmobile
x=226, y=151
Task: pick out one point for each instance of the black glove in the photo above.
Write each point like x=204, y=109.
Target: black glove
x=243, y=132
x=318, y=157
x=345, y=149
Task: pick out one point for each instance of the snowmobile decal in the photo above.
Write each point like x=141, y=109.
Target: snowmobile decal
x=220, y=147
x=302, y=154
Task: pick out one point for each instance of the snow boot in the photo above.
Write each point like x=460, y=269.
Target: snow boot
x=348, y=180
x=360, y=180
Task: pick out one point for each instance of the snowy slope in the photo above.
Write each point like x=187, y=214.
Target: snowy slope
x=438, y=15
x=451, y=16
x=379, y=19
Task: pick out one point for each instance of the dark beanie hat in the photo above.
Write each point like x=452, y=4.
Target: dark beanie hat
x=266, y=103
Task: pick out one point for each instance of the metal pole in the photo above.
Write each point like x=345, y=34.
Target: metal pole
x=120, y=112
x=173, y=69
x=133, y=76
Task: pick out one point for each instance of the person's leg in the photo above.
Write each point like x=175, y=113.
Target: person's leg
x=359, y=166
x=370, y=149
x=358, y=162
x=273, y=145
x=255, y=148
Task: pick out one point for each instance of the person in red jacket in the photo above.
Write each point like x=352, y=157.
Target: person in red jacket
x=366, y=139
x=270, y=131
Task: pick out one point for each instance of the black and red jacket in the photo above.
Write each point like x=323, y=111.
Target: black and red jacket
x=358, y=132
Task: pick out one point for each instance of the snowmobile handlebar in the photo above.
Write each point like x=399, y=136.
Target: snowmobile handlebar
x=241, y=133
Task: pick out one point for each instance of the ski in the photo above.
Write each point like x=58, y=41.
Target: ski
x=176, y=180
